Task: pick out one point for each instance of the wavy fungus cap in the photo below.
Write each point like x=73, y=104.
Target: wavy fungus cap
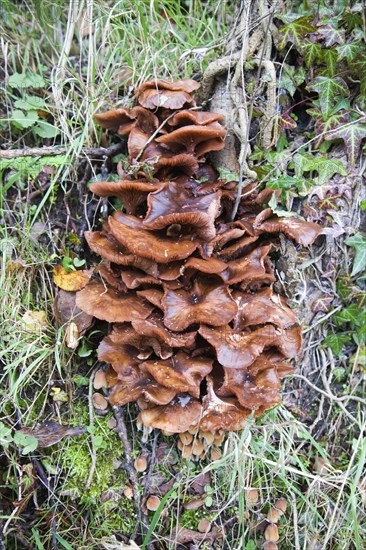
x=199, y=339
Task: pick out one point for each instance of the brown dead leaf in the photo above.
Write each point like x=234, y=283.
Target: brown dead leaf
x=49, y=433
x=34, y=321
x=67, y=313
x=72, y=281
x=199, y=483
x=181, y=535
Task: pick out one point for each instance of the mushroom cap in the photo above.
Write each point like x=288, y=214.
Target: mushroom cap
x=204, y=303
x=250, y=268
x=122, y=120
x=154, y=327
x=192, y=135
x=140, y=145
x=131, y=193
x=174, y=204
x=122, y=335
x=176, y=417
x=187, y=85
x=301, y=231
x=201, y=118
x=263, y=306
x=136, y=384
x=257, y=385
x=180, y=372
x=186, y=162
x=238, y=350
x=109, y=248
x=131, y=233
x=110, y=305
x=170, y=95
x=221, y=414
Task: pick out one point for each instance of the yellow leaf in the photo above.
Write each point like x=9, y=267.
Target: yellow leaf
x=73, y=281
x=34, y=321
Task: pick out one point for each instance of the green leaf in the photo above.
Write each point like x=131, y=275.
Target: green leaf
x=330, y=90
x=358, y=69
x=332, y=35
x=311, y=53
x=351, y=314
x=295, y=32
x=46, y=130
x=208, y=501
x=5, y=435
x=352, y=135
x=30, y=103
x=349, y=50
x=358, y=242
x=291, y=77
x=326, y=167
x=28, y=442
x=331, y=58
x=336, y=342
x=22, y=120
x=26, y=80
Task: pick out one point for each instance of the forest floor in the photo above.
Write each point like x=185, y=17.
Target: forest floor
x=296, y=73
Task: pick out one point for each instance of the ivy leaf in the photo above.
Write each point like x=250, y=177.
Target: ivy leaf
x=29, y=443
x=295, y=32
x=351, y=314
x=326, y=167
x=336, y=342
x=46, y=130
x=330, y=89
x=359, y=71
x=332, y=35
x=311, y=52
x=358, y=242
x=331, y=58
x=352, y=135
x=349, y=50
x=291, y=77
x=22, y=120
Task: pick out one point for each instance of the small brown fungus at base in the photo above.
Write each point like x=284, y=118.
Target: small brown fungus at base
x=199, y=339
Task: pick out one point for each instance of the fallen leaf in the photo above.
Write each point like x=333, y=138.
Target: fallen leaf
x=34, y=321
x=59, y=395
x=194, y=504
x=71, y=281
x=199, y=483
x=49, y=433
x=181, y=535
x=68, y=315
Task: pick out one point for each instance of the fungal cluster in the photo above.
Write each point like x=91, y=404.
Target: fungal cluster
x=198, y=337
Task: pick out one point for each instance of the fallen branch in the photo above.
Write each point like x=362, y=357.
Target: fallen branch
x=54, y=151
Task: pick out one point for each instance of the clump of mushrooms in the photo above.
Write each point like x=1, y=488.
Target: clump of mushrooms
x=199, y=339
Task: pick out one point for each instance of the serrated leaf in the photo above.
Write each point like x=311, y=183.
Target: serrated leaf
x=336, y=342
x=295, y=31
x=330, y=90
x=311, y=52
x=46, y=130
x=30, y=103
x=352, y=136
x=5, y=436
x=26, y=80
x=358, y=242
x=28, y=443
x=23, y=120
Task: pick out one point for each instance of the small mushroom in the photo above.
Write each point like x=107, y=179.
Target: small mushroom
x=140, y=463
x=153, y=503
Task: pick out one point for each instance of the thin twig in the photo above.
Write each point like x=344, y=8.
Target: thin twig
x=60, y=150
x=122, y=434
x=91, y=422
x=53, y=505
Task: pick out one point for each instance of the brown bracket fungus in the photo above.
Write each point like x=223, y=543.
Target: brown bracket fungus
x=199, y=338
